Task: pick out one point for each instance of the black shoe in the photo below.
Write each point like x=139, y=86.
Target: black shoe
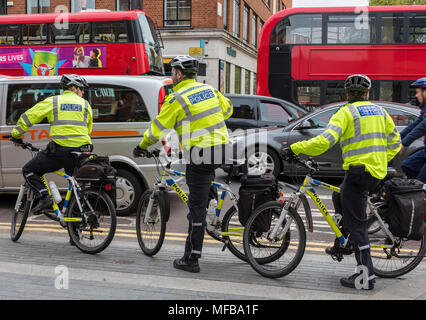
x=43, y=203
x=332, y=251
x=350, y=282
x=187, y=265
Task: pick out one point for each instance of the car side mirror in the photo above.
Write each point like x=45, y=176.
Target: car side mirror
x=304, y=125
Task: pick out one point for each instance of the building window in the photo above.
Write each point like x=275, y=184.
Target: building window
x=246, y=24
x=38, y=6
x=254, y=30
x=227, y=77
x=79, y=5
x=237, y=81
x=254, y=83
x=236, y=26
x=3, y=7
x=177, y=13
x=123, y=5
x=225, y=14
x=247, y=82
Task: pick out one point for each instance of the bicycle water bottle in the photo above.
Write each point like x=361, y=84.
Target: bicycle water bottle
x=55, y=192
x=211, y=211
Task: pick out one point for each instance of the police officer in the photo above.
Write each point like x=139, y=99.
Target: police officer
x=369, y=140
x=415, y=165
x=197, y=112
x=70, y=119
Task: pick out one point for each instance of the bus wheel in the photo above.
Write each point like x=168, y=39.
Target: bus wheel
x=129, y=190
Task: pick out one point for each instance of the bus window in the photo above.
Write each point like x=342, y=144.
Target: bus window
x=149, y=34
x=335, y=92
x=110, y=31
x=417, y=28
x=349, y=28
x=390, y=91
x=21, y=97
x=9, y=35
x=307, y=93
x=298, y=29
x=34, y=33
x=112, y=103
x=392, y=28
x=74, y=33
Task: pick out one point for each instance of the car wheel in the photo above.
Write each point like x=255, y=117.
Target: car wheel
x=129, y=190
x=263, y=161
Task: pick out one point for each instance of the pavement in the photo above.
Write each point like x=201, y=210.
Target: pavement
x=42, y=265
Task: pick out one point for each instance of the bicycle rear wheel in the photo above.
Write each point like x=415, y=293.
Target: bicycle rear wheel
x=96, y=230
x=401, y=259
x=274, y=258
x=20, y=216
x=151, y=231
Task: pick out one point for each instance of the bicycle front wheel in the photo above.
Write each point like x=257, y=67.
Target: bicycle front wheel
x=20, y=215
x=403, y=257
x=277, y=257
x=96, y=228
x=151, y=222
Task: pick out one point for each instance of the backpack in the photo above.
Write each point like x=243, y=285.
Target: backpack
x=99, y=173
x=254, y=191
x=405, y=207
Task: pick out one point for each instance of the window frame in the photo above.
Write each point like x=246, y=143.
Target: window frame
x=189, y=24
x=39, y=6
x=236, y=16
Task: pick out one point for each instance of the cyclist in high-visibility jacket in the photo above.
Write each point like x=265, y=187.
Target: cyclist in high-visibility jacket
x=70, y=119
x=369, y=140
x=197, y=112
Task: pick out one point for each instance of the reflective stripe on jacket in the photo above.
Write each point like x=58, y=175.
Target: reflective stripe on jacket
x=367, y=136
x=70, y=118
x=197, y=112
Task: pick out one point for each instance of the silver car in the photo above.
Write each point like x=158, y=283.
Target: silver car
x=123, y=107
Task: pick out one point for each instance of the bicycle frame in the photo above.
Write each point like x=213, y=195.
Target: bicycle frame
x=167, y=181
x=308, y=188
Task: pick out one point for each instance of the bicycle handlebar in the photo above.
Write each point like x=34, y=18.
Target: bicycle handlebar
x=24, y=145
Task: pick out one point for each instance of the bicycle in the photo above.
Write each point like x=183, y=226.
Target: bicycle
x=392, y=256
x=154, y=211
x=81, y=212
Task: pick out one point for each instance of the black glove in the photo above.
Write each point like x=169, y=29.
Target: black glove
x=139, y=152
x=17, y=141
x=287, y=154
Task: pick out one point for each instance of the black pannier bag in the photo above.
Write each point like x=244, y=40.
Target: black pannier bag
x=254, y=191
x=405, y=207
x=99, y=172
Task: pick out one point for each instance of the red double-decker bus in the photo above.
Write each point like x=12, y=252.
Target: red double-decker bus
x=305, y=54
x=107, y=43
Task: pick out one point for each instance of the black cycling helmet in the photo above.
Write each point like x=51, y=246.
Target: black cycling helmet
x=358, y=82
x=187, y=64
x=73, y=80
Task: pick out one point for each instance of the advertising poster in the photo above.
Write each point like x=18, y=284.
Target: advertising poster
x=46, y=61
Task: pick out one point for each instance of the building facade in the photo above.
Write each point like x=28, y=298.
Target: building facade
x=222, y=34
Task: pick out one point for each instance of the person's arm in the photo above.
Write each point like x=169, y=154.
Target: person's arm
x=32, y=116
x=164, y=122
x=324, y=141
x=90, y=120
x=226, y=105
x=393, y=138
x=418, y=131
x=410, y=127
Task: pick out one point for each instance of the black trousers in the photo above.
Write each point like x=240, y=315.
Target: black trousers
x=198, y=179
x=352, y=204
x=49, y=160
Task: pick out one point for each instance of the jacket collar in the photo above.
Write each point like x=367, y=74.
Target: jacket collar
x=182, y=84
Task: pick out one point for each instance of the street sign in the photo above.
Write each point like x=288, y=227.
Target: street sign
x=195, y=51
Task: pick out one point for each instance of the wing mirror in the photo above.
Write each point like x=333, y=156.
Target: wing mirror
x=305, y=124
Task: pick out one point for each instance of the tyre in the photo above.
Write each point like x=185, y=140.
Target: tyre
x=129, y=190
x=399, y=260
x=275, y=258
x=96, y=230
x=373, y=225
x=20, y=216
x=234, y=243
x=263, y=160
x=151, y=233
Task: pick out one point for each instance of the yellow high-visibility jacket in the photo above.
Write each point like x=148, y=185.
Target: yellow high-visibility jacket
x=70, y=118
x=197, y=112
x=367, y=136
